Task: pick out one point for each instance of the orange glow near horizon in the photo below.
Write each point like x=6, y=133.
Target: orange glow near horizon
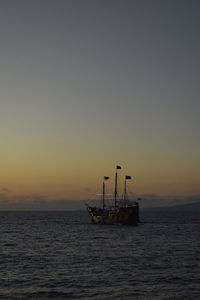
x=78, y=180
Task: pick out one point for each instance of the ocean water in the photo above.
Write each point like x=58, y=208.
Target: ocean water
x=61, y=255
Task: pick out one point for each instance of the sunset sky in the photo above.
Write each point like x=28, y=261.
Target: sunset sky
x=88, y=84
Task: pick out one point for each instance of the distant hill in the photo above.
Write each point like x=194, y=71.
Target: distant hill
x=42, y=205
x=189, y=206
x=195, y=206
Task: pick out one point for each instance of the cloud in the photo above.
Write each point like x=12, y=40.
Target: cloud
x=88, y=190
x=5, y=190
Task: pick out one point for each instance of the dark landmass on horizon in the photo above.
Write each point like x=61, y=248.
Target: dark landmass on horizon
x=64, y=205
x=182, y=207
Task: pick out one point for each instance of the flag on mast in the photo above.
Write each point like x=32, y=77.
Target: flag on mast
x=118, y=167
x=106, y=177
x=128, y=177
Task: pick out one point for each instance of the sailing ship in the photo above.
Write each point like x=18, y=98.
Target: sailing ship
x=122, y=212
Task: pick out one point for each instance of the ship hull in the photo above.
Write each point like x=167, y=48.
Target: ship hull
x=125, y=215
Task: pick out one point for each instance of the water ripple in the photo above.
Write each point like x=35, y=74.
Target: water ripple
x=61, y=255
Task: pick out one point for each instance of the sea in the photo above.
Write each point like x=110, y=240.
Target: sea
x=62, y=255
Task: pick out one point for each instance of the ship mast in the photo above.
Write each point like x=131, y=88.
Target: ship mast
x=103, y=195
x=125, y=189
x=126, y=178
x=115, y=193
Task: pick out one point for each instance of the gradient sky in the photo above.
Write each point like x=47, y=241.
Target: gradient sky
x=88, y=84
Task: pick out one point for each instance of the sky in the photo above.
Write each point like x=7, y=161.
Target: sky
x=86, y=85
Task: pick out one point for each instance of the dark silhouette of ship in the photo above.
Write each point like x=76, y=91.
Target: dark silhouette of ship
x=122, y=211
